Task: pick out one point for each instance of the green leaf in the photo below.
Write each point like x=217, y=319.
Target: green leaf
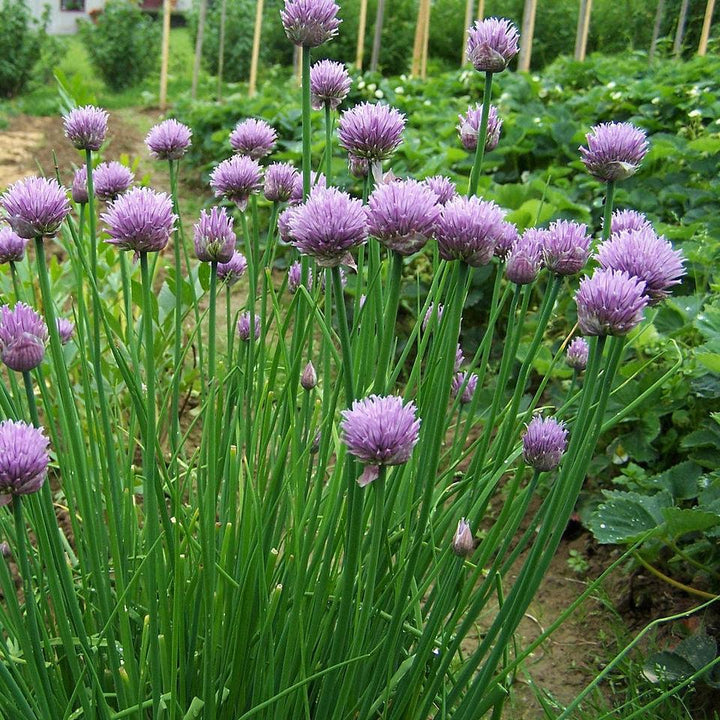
x=681, y=480
x=710, y=360
x=679, y=521
x=626, y=516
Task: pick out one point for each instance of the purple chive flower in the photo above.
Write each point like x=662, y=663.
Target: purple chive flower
x=467, y=230
x=35, y=207
x=469, y=127
x=253, y=138
x=576, y=355
x=328, y=225
x=525, y=259
x=544, y=443
x=295, y=278
x=429, y=315
x=492, y=44
x=402, y=215
x=610, y=302
x=111, y=179
x=169, y=140
x=463, y=544
x=310, y=22
x=12, y=246
x=141, y=220
x=566, y=248
x=86, y=127
x=243, y=326
x=614, y=151
x=380, y=431
x=358, y=167
x=23, y=336
x=65, y=330
x=24, y=459
x=506, y=238
x=628, y=220
x=79, y=190
x=317, y=180
x=308, y=379
x=644, y=255
x=371, y=131
x=231, y=271
x=214, y=236
x=283, y=223
x=236, y=179
x=468, y=391
x=459, y=358
x=329, y=84
x=443, y=187
x=280, y=179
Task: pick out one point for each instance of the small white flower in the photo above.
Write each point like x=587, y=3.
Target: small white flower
x=542, y=93
x=695, y=113
x=372, y=87
x=536, y=78
x=694, y=91
x=655, y=101
x=611, y=85
x=427, y=103
x=537, y=120
x=379, y=94
x=399, y=90
x=361, y=84
x=616, y=95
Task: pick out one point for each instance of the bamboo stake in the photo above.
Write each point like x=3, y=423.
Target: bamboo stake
x=164, y=58
x=419, y=36
x=377, y=38
x=361, y=35
x=705, y=34
x=256, y=48
x=198, y=47
x=426, y=42
x=526, y=35
x=469, y=7
x=221, y=48
x=656, y=29
x=579, y=32
x=585, y=30
x=680, y=32
x=481, y=10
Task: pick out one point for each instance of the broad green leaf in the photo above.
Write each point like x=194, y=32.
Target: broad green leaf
x=681, y=480
x=710, y=360
x=626, y=516
x=679, y=521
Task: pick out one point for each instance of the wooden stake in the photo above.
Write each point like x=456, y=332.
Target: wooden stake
x=361, y=35
x=419, y=36
x=481, y=10
x=198, y=47
x=656, y=29
x=255, y=48
x=585, y=29
x=579, y=32
x=164, y=58
x=705, y=34
x=526, y=34
x=469, y=7
x=221, y=49
x=426, y=42
x=377, y=38
x=680, y=32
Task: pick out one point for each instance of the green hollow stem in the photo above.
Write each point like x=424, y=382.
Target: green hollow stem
x=150, y=498
x=177, y=340
x=609, y=202
x=391, y=308
x=328, y=144
x=306, y=149
x=15, y=281
x=482, y=135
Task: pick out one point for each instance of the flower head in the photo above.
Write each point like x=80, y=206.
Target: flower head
x=24, y=459
x=169, y=140
x=232, y=270
x=295, y=277
x=467, y=230
x=280, y=179
x=86, y=127
x=79, y=190
x=371, y=131
x=628, y=220
x=214, y=236
x=12, y=246
x=525, y=258
x=141, y=220
x=358, y=167
x=243, y=326
x=111, y=179
x=492, y=44
x=317, y=180
x=644, y=255
x=506, y=238
x=443, y=187
x=402, y=215
x=23, y=336
x=380, y=431
x=236, y=179
x=610, y=302
x=310, y=22
x=329, y=84
x=253, y=138
x=577, y=354
x=468, y=386
x=328, y=225
x=544, y=443
x=566, y=247
x=614, y=151
x=463, y=544
x=430, y=313
x=35, y=207
x=283, y=223
x=65, y=330
x=469, y=127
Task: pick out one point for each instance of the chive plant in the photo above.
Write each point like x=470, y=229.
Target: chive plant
x=303, y=543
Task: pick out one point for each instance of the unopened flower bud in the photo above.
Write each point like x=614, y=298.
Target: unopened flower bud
x=463, y=543
x=308, y=379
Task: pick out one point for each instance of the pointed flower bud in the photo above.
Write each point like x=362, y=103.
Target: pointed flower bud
x=463, y=544
x=308, y=379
